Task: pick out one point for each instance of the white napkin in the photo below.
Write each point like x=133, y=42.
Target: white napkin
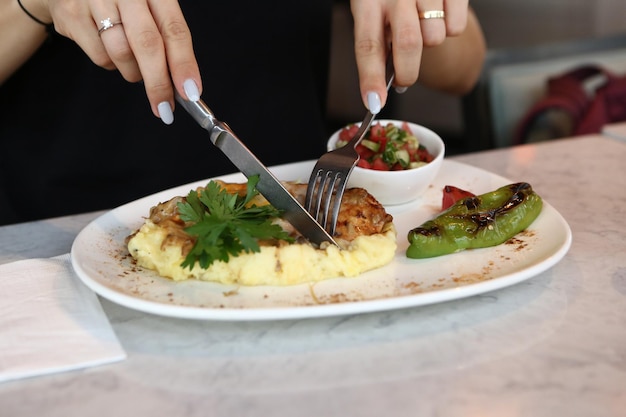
x=50, y=322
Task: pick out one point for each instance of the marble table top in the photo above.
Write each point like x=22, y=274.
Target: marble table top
x=615, y=130
x=554, y=345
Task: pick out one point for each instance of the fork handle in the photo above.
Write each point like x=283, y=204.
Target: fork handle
x=360, y=134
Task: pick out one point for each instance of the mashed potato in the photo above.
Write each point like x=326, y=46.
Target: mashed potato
x=274, y=265
x=366, y=232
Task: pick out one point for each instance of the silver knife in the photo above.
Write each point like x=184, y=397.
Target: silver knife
x=223, y=137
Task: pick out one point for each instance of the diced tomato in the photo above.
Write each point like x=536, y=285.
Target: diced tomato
x=364, y=152
x=383, y=142
x=363, y=163
x=452, y=194
x=422, y=154
x=348, y=132
x=379, y=165
x=377, y=132
x=405, y=127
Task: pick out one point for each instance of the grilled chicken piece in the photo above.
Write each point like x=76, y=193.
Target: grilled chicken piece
x=360, y=214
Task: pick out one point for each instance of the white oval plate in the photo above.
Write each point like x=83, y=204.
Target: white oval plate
x=101, y=260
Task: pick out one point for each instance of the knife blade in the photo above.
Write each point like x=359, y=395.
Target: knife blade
x=225, y=139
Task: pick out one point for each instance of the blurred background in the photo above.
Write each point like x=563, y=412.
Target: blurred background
x=528, y=42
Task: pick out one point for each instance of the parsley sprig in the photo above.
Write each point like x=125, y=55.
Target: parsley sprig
x=225, y=224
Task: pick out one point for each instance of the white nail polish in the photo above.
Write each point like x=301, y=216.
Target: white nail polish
x=191, y=90
x=165, y=112
x=373, y=102
x=401, y=90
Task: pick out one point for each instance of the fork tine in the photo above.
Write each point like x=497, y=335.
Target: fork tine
x=323, y=190
x=340, y=186
x=315, y=193
x=326, y=196
x=319, y=195
x=310, y=191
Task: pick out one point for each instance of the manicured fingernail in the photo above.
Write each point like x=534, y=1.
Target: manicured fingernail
x=165, y=112
x=373, y=102
x=191, y=90
x=401, y=90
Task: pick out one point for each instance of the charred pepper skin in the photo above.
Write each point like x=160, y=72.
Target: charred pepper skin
x=477, y=222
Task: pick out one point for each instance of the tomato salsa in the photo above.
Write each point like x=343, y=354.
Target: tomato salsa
x=387, y=148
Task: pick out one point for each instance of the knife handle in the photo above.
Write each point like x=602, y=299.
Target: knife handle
x=199, y=111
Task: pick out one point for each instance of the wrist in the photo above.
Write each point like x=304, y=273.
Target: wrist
x=37, y=12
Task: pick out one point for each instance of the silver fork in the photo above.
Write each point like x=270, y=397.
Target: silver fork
x=330, y=174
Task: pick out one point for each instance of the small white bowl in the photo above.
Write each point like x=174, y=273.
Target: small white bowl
x=398, y=187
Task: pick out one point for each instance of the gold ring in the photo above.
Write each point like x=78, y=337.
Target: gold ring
x=107, y=24
x=432, y=14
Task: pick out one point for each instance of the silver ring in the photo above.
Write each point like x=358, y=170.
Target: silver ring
x=107, y=24
x=432, y=14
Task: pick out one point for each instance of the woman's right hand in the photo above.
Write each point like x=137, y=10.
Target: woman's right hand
x=378, y=24
x=149, y=41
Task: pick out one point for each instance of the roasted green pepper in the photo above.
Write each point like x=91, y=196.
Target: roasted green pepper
x=477, y=222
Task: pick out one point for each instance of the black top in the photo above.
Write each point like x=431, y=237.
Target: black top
x=75, y=137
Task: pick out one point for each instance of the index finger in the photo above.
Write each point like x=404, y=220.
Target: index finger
x=370, y=49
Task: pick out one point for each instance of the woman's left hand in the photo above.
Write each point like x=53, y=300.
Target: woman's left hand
x=408, y=25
